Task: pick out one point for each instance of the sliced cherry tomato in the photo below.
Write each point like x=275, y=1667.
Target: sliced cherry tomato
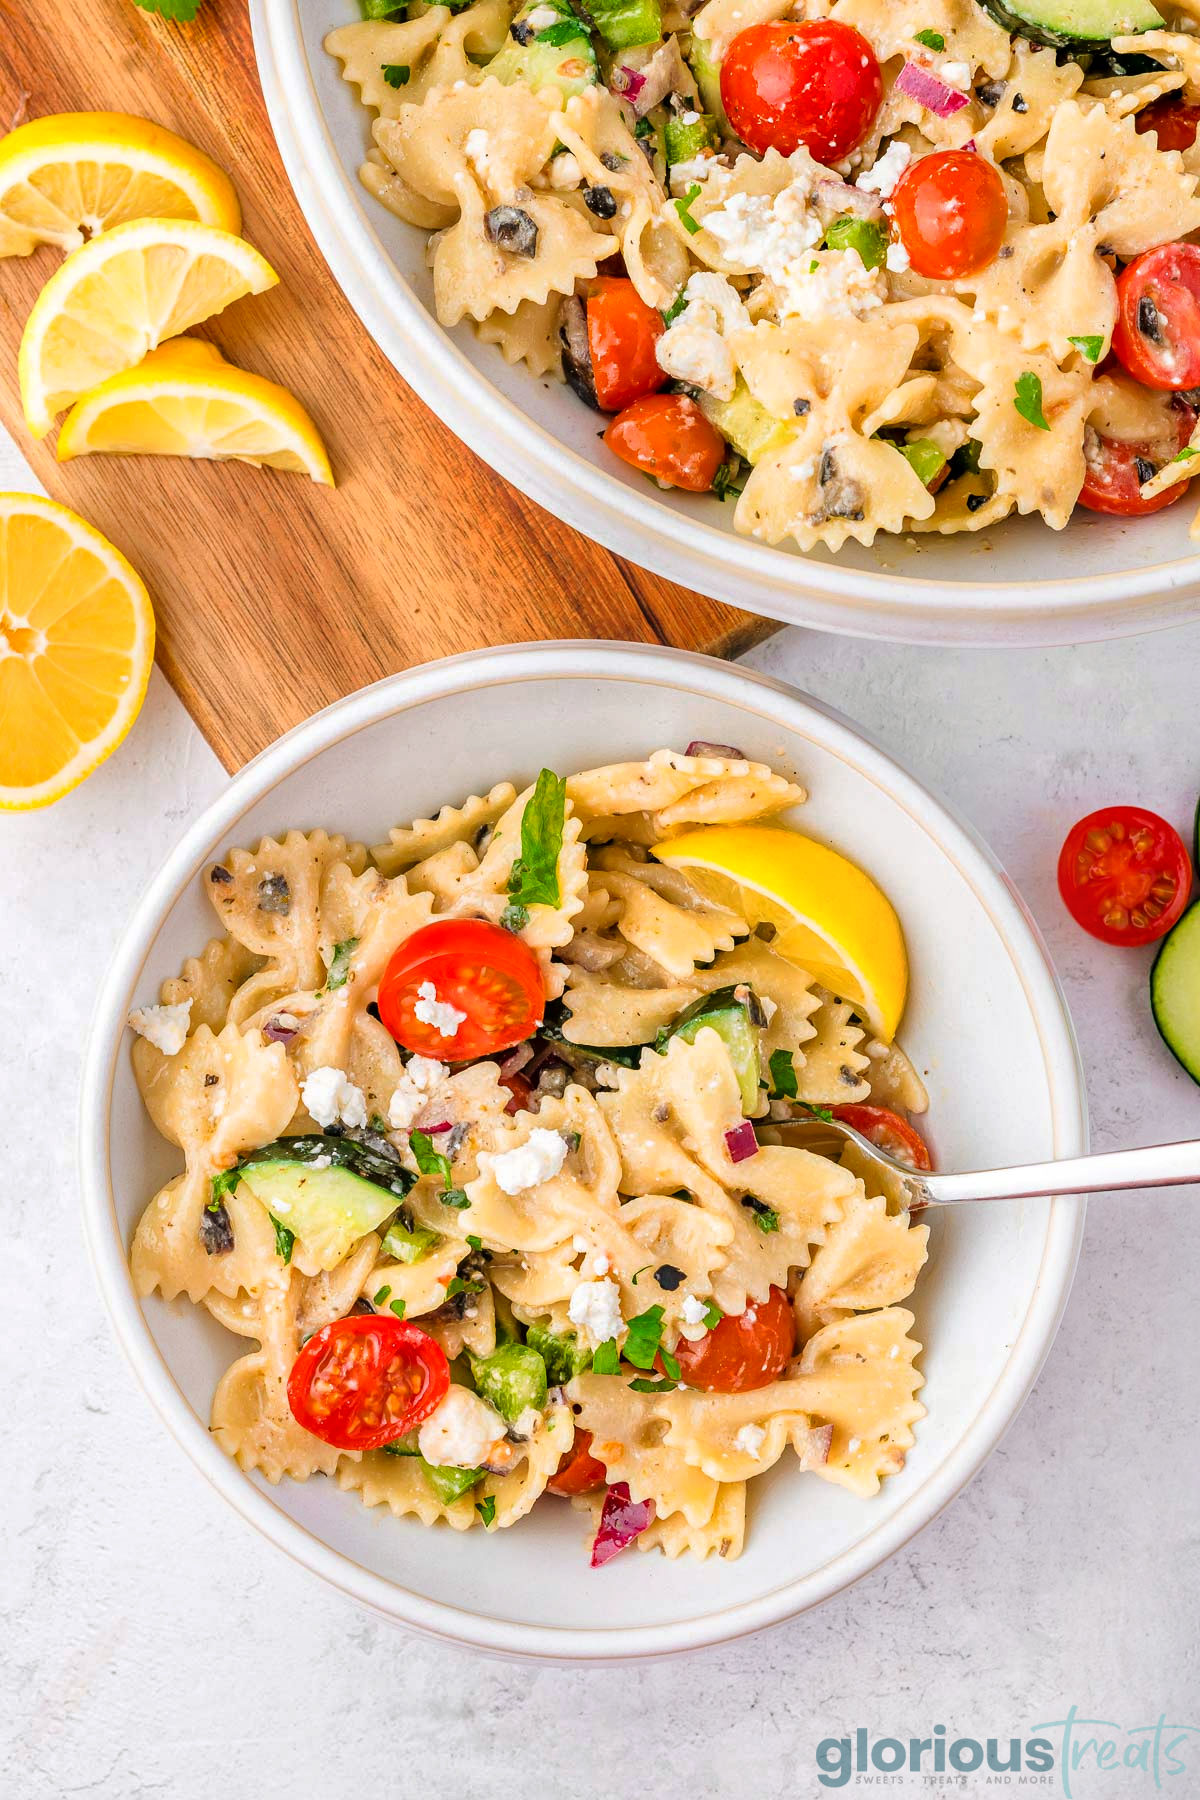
x=1157, y=334
x=1124, y=875
x=667, y=436
x=363, y=1381
x=887, y=1131
x=521, y=1089
x=951, y=212
x=785, y=84
x=1117, y=467
x=1172, y=121
x=578, y=1472
x=745, y=1350
x=479, y=969
x=622, y=332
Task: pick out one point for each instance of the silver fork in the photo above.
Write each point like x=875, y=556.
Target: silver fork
x=1157, y=1165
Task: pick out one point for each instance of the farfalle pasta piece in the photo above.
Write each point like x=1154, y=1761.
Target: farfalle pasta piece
x=410, y=844
x=1038, y=469
x=550, y=1213
x=1179, y=50
x=251, y=1418
x=665, y=915
x=834, y=1069
x=858, y=1376
x=529, y=335
x=431, y=146
x=672, y=791
x=210, y=981
x=1021, y=105
x=473, y=277
x=870, y=1258
x=627, y=1437
x=968, y=34
x=433, y=49
x=718, y=22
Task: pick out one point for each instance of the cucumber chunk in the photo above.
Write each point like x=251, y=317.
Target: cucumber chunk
x=327, y=1191
x=1175, y=991
x=708, y=80
x=450, y=1484
x=749, y=427
x=683, y=141
x=409, y=1243
x=624, y=23
x=512, y=1379
x=738, y=1021
x=1062, y=23
x=557, y=55
x=564, y=1357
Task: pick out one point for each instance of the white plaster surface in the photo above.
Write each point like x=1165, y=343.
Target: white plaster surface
x=151, y=1644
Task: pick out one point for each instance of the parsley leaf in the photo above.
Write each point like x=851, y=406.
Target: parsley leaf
x=475, y=1243
x=184, y=11
x=725, y=484
x=397, y=1306
x=432, y=1162
x=339, y=967
x=605, y=1361
x=1089, y=346
x=486, y=1509
x=381, y=1297
x=1186, y=454
x=641, y=1344
x=863, y=235
x=712, y=1315
x=284, y=1239
x=533, y=879
x=676, y=307
x=661, y=1386
x=457, y=1285
x=932, y=40
x=818, y=1112
x=396, y=74
x=563, y=31
x=765, y=1218
x=783, y=1075
x=220, y=1185
x=1027, y=398
x=683, y=208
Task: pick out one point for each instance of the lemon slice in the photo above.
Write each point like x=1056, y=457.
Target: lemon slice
x=829, y=916
x=80, y=172
x=76, y=645
x=119, y=297
x=186, y=400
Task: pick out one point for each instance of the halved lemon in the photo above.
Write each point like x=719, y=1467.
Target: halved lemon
x=119, y=297
x=829, y=916
x=78, y=173
x=186, y=400
x=76, y=645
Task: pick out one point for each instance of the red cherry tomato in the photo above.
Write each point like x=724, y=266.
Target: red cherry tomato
x=578, y=1472
x=1157, y=334
x=888, y=1131
x=1172, y=121
x=478, y=968
x=521, y=1089
x=363, y=1381
x=1116, y=467
x=667, y=436
x=745, y=1350
x=785, y=84
x=622, y=332
x=1124, y=875
x=951, y=211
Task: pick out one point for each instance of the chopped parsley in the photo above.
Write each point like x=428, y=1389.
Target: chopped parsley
x=284, y=1239
x=432, y=1162
x=183, y=11
x=533, y=878
x=783, y=1075
x=396, y=74
x=1027, y=398
x=659, y=1386
x=863, y=235
x=932, y=40
x=475, y=1243
x=725, y=483
x=486, y=1509
x=640, y=1271
x=676, y=307
x=381, y=1297
x=339, y=967
x=457, y=1285
x=563, y=31
x=765, y=1217
x=818, y=1112
x=514, y=918
x=684, y=209
x=641, y=1344
x=1186, y=454
x=712, y=1315
x=1088, y=346
x=605, y=1360
x=397, y=1306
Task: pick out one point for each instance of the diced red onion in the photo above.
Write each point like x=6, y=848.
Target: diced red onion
x=664, y=73
x=820, y=1442
x=970, y=144
x=702, y=747
x=436, y=1130
x=923, y=86
x=741, y=1142
x=277, y=1033
x=621, y=1520
x=627, y=82
x=516, y=1059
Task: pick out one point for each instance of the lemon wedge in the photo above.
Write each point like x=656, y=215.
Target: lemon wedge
x=76, y=645
x=78, y=172
x=186, y=400
x=829, y=916
x=119, y=297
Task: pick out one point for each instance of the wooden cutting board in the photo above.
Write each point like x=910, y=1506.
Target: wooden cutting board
x=275, y=597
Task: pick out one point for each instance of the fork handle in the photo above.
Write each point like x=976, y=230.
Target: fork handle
x=1157, y=1165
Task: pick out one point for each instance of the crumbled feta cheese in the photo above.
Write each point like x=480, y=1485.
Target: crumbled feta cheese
x=690, y=118
x=882, y=176
x=693, y=347
x=580, y=1245
x=565, y=171
x=749, y=1440
x=418, y=1082
x=804, y=471
x=538, y=1159
x=956, y=75
x=771, y=233
x=696, y=168
x=460, y=1432
x=444, y=1018
x=896, y=258
x=600, y=1264
x=542, y=17
x=840, y=287
x=596, y=1309
x=854, y=1445
x=525, y=1424
x=332, y=1100
x=166, y=1027
x=693, y=1310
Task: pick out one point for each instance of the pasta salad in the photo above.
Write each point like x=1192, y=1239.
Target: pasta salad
x=857, y=267
x=482, y=1157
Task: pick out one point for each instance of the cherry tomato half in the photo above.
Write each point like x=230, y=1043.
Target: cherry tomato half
x=1124, y=875
x=887, y=1131
x=951, y=212
x=1116, y=467
x=745, y=1350
x=1172, y=121
x=667, y=436
x=1157, y=334
x=363, y=1381
x=785, y=84
x=479, y=969
x=521, y=1089
x=622, y=332
x=578, y=1472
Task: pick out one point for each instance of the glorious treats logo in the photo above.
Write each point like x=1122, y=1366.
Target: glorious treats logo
x=1060, y=1754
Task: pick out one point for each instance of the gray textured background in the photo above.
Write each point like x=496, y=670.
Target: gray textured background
x=153, y=1645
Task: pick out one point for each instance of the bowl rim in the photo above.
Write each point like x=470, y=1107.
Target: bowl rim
x=706, y=678
x=682, y=547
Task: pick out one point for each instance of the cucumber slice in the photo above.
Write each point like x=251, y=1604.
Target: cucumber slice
x=749, y=427
x=624, y=23
x=737, y=1021
x=512, y=1379
x=450, y=1484
x=626, y=1056
x=1062, y=23
x=564, y=1357
x=708, y=80
x=1175, y=991
x=409, y=1243
x=557, y=55
x=682, y=142
x=328, y=1191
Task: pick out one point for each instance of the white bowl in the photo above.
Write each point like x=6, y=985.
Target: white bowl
x=985, y=1020
x=1020, y=583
